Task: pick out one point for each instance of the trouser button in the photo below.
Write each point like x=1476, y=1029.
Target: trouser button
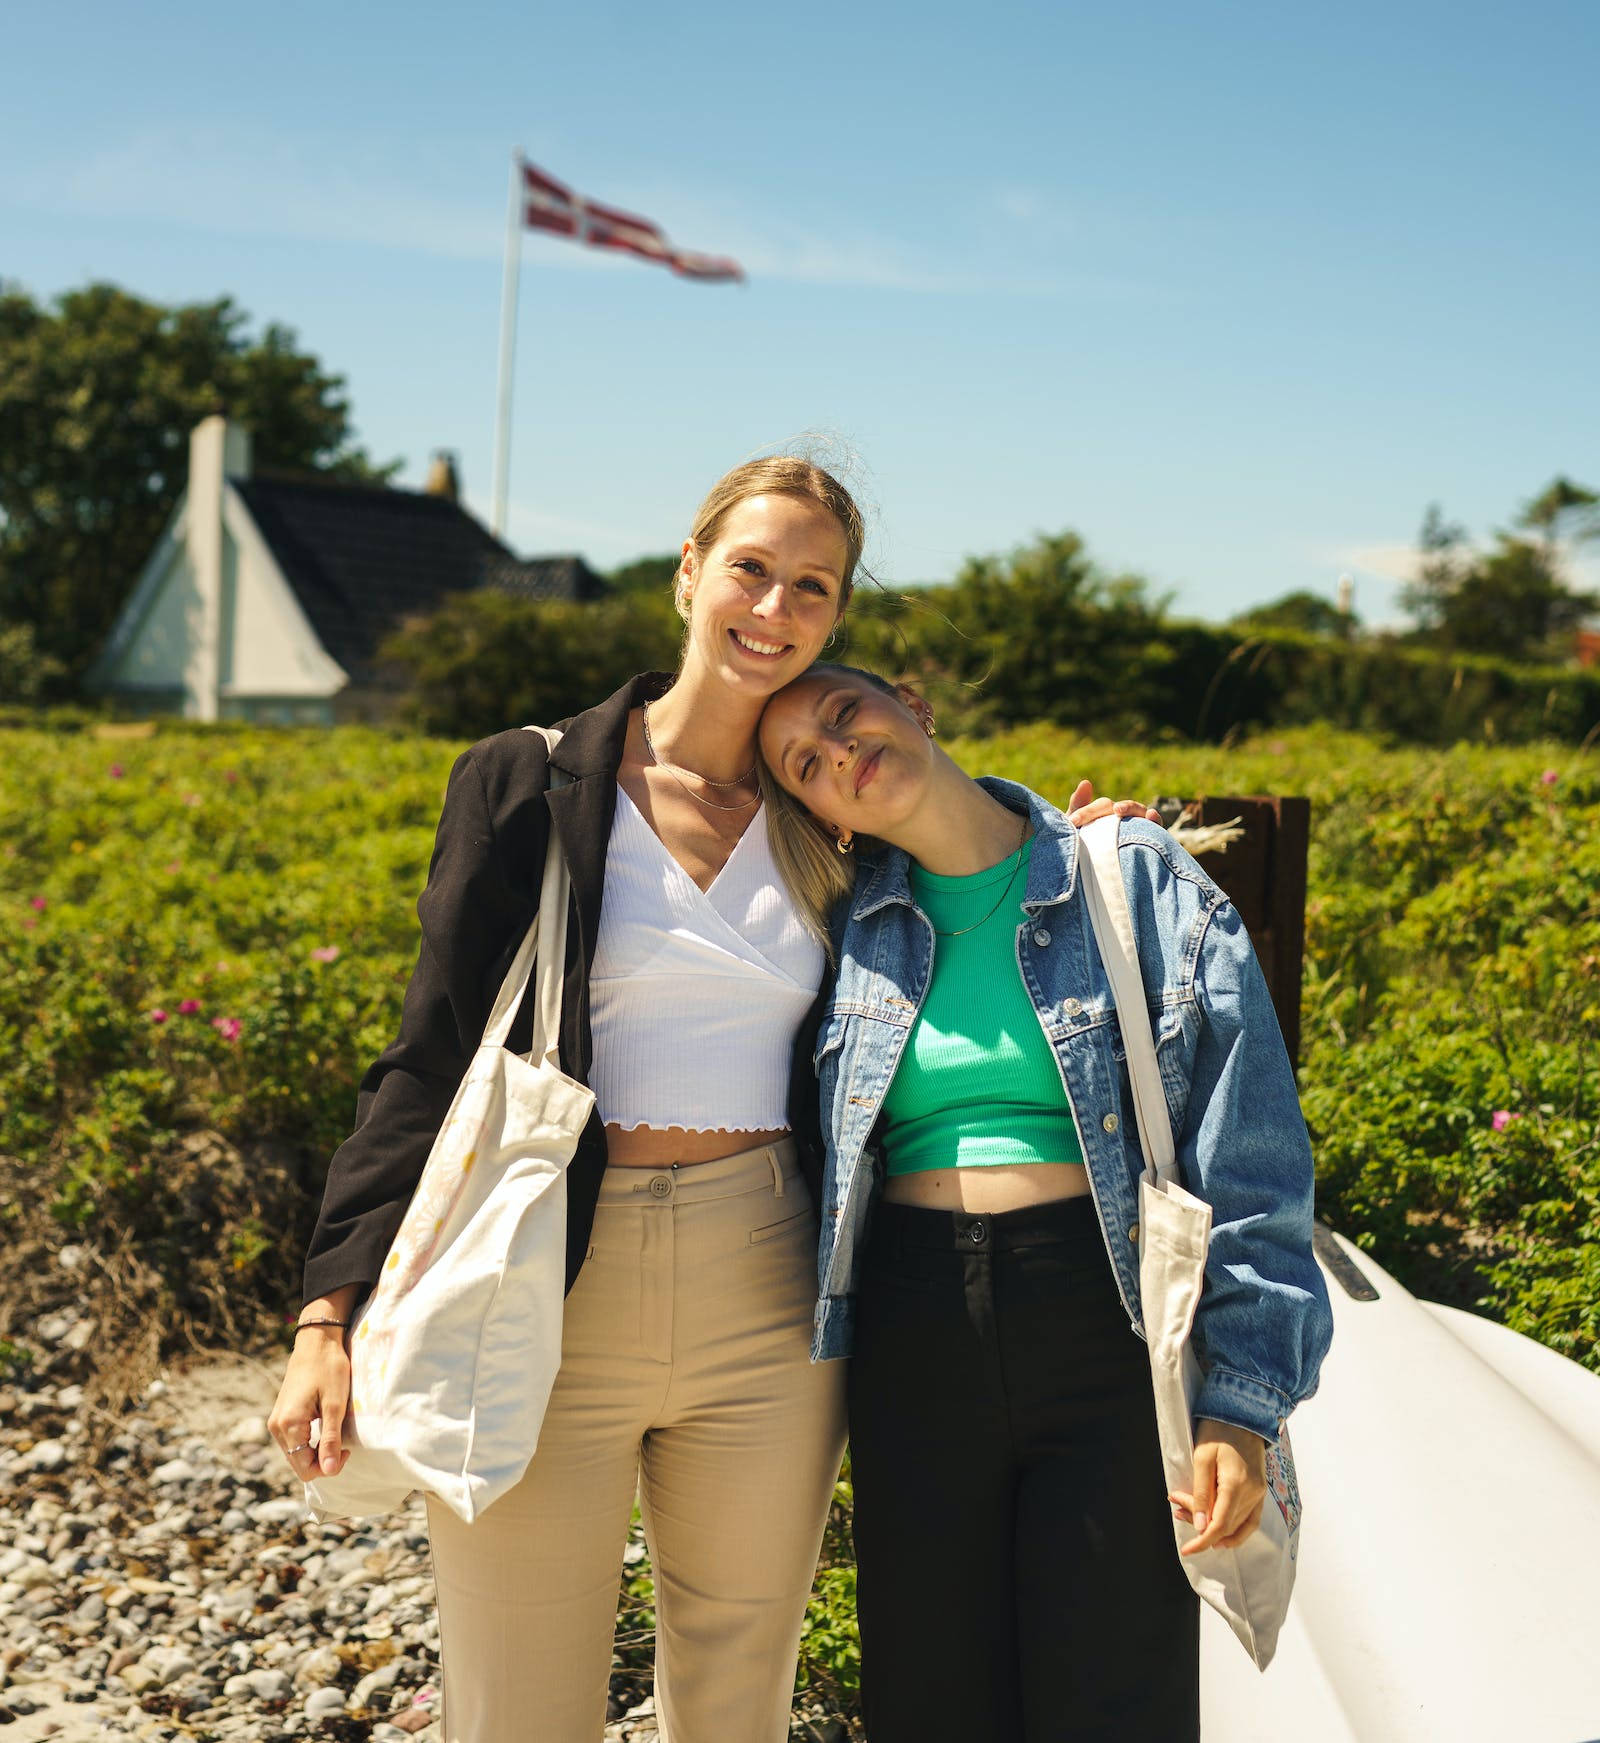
x=661, y=1186
x=978, y=1233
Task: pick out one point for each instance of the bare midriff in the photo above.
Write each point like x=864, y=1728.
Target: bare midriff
x=657, y=1146
x=990, y=1190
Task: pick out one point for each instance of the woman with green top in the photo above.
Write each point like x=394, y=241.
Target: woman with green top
x=1017, y=1573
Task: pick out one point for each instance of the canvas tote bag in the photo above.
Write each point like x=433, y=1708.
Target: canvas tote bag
x=1249, y=1586
x=453, y=1354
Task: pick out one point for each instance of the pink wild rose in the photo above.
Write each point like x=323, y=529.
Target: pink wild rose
x=1502, y=1118
x=1550, y=777
x=158, y=1015
x=227, y=1027
x=188, y=1007
x=325, y=953
x=116, y=771
x=38, y=904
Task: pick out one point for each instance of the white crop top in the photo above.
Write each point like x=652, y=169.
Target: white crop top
x=695, y=996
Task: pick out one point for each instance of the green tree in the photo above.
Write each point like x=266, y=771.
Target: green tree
x=1309, y=613
x=1443, y=561
x=1514, y=600
x=1515, y=603
x=1562, y=513
x=645, y=575
x=1042, y=633
x=484, y=661
x=98, y=394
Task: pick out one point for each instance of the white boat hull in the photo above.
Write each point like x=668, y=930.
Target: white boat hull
x=1449, y=1577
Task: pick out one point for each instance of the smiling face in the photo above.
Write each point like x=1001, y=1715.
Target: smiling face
x=761, y=600
x=858, y=758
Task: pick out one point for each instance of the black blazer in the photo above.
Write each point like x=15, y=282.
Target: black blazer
x=481, y=897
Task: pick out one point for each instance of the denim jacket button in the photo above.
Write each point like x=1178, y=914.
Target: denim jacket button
x=1133, y=1234
x=1041, y=938
x=1071, y=1008
x=1109, y=1123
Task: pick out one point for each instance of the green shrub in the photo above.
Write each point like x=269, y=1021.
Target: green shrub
x=487, y=661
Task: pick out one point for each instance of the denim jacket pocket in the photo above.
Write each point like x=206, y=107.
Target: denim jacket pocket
x=1177, y=1029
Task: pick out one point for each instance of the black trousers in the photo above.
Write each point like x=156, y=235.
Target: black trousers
x=1017, y=1578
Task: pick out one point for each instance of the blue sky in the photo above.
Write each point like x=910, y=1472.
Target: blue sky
x=1233, y=291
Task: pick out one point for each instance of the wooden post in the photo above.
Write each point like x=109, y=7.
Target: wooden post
x=1264, y=876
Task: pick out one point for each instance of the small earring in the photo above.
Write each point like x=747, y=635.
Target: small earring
x=833, y=636
x=844, y=843
x=929, y=728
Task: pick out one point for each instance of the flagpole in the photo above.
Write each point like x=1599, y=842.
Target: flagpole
x=508, y=345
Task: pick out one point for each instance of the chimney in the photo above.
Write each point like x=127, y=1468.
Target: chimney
x=218, y=451
x=442, y=477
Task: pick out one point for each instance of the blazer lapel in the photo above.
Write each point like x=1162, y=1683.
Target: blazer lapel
x=581, y=812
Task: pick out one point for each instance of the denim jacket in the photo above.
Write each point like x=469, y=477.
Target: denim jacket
x=1264, y=1321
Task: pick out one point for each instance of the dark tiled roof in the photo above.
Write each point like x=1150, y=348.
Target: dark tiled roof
x=544, y=578
x=361, y=559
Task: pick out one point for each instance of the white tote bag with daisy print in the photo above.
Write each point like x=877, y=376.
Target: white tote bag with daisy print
x=453, y=1354
x=1249, y=1586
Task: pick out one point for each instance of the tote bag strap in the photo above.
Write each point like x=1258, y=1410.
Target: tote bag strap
x=1109, y=915
x=543, y=950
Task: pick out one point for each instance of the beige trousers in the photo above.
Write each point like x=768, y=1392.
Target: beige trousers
x=685, y=1376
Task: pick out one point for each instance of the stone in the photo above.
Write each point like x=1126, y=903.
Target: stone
x=319, y=1668
x=46, y=1455
x=249, y=1431
x=140, y=1678
x=412, y=1719
x=382, y=1678
x=324, y=1703
x=282, y=1510
x=174, y=1471
x=169, y=1663
x=269, y=1685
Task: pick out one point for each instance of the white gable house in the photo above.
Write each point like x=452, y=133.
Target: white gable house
x=267, y=598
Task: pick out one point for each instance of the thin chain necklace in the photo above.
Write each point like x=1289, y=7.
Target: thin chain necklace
x=672, y=769
x=1017, y=856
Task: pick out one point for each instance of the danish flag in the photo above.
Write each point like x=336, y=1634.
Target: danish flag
x=552, y=206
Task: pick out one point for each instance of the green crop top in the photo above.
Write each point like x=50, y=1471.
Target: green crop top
x=977, y=1084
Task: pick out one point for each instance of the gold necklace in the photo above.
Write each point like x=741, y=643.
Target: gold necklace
x=671, y=769
x=1017, y=856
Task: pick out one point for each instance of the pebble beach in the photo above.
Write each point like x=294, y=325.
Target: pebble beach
x=162, y=1579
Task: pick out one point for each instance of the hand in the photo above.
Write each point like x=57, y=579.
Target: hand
x=1085, y=808
x=1230, y=1486
x=316, y=1387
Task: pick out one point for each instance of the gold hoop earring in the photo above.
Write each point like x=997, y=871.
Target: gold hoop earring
x=844, y=843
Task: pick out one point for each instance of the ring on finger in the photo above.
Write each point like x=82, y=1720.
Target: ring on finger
x=304, y=1446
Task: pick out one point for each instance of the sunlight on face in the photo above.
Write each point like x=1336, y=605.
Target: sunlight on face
x=764, y=596
x=854, y=755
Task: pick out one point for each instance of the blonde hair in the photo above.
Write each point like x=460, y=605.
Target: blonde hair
x=818, y=876
x=777, y=475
